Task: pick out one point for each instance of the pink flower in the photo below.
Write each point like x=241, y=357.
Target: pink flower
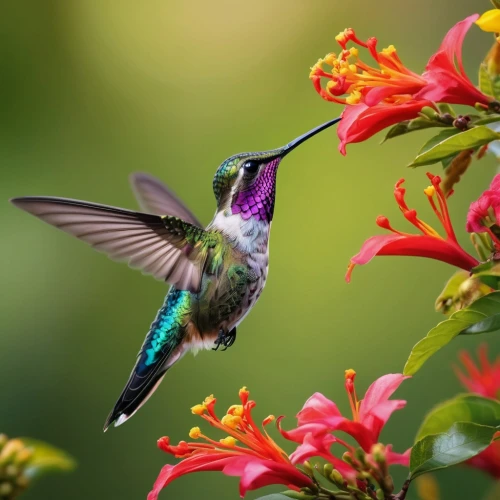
x=483, y=379
x=485, y=212
x=445, y=74
x=258, y=461
x=320, y=417
x=429, y=244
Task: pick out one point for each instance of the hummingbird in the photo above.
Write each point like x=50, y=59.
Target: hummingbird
x=216, y=273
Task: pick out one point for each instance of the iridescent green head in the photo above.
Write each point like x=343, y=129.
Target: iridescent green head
x=245, y=184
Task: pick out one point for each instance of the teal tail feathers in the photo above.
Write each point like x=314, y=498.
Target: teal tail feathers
x=160, y=350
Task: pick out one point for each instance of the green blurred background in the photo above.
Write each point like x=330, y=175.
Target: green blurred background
x=94, y=90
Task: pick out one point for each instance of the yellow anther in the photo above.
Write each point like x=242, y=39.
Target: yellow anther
x=231, y=421
x=228, y=441
x=353, y=98
x=354, y=51
x=236, y=410
x=353, y=68
x=341, y=37
x=430, y=191
x=388, y=51
x=209, y=399
x=268, y=420
x=350, y=374
x=198, y=409
x=195, y=433
x=330, y=59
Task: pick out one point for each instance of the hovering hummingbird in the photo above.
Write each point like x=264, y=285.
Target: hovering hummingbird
x=217, y=273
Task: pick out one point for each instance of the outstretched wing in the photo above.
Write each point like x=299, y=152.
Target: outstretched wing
x=154, y=197
x=167, y=247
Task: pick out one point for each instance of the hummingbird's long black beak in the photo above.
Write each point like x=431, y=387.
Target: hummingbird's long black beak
x=296, y=142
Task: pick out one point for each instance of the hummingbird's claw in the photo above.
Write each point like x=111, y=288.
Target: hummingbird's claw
x=226, y=339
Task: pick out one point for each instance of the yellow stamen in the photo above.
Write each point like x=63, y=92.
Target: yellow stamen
x=195, y=433
x=268, y=420
x=229, y=441
x=350, y=375
x=198, y=409
x=208, y=399
x=236, y=410
x=353, y=98
x=230, y=421
x=430, y=191
x=340, y=37
x=388, y=51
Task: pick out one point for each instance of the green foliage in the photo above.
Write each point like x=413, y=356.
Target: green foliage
x=47, y=458
x=472, y=319
x=404, y=127
x=463, y=408
x=462, y=441
x=489, y=84
x=286, y=495
x=448, y=299
x=450, y=142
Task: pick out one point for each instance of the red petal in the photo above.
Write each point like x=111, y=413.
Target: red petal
x=415, y=246
x=195, y=463
x=359, y=122
x=256, y=473
x=446, y=82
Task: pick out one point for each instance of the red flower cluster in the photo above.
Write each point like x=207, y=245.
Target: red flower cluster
x=252, y=455
x=429, y=244
x=381, y=96
x=485, y=381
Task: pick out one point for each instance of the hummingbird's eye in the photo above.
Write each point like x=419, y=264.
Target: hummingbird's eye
x=251, y=166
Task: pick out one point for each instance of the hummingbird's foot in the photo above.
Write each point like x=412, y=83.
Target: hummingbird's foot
x=225, y=339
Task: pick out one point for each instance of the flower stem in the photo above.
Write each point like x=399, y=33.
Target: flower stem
x=402, y=494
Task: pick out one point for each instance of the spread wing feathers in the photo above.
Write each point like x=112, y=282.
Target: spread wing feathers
x=154, y=197
x=165, y=247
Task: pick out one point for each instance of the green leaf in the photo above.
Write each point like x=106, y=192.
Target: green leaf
x=449, y=142
x=488, y=83
x=462, y=441
x=407, y=126
x=463, y=408
x=47, y=458
x=447, y=330
x=490, y=324
x=448, y=298
x=485, y=83
x=288, y=494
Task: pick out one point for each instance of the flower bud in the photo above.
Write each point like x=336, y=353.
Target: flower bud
x=337, y=478
x=429, y=112
x=327, y=469
x=360, y=455
x=461, y=122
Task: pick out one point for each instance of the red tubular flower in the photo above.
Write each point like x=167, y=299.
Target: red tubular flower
x=429, y=244
x=320, y=416
x=485, y=212
x=483, y=379
x=376, y=97
x=446, y=79
x=259, y=461
x=387, y=93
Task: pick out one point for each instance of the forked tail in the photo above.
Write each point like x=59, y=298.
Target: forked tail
x=161, y=349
